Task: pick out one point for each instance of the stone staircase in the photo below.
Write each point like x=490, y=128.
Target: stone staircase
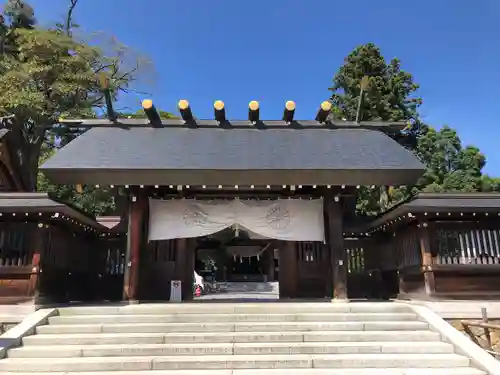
x=237, y=339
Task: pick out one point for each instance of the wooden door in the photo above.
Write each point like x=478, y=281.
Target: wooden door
x=313, y=269
x=157, y=270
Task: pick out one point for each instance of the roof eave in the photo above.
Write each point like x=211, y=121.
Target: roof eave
x=42, y=203
x=350, y=177
x=438, y=203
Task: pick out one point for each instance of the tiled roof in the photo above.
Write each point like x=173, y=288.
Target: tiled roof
x=181, y=155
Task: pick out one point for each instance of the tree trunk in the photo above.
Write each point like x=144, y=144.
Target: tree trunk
x=32, y=173
x=24, y=151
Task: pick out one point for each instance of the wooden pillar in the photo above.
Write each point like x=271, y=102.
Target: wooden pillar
x=269, y=262
x=180, y=264
x=185, y=265
x=288, y=282
x=335, y=241
x=425, y=251
x=38, y=243
x=190, y=263
x=138, y=207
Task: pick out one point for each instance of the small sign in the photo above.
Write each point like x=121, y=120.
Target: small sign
x=175, y=291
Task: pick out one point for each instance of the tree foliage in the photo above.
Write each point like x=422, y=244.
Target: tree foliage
x=490, y=184
x=164, y=115
x=391, y=96
x=95, y=201
x=451, y=167
x=46, y=74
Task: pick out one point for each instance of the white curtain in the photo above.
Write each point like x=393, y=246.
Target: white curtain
x=282, y=219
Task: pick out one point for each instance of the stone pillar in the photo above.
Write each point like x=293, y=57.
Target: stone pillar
x=335, y=242
x=138, y=207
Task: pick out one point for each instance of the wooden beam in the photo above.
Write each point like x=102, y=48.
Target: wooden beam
x=151, y=113
x=324, y=111
x=253, y=111
x=388, y=127
x=185, y=110
x=289, y=111
x=243, y=195
x=219, y=111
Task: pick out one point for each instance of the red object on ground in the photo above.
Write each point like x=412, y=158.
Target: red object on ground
x=197, y=291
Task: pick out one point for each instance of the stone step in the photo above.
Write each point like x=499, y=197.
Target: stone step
x=233, y=327
x=311, y=371
x=233, y=362
x=238, y=308
x=231, y=337
x=226, y=318
x=67, y=351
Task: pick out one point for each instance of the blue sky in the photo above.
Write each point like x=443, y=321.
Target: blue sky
x=276, y=50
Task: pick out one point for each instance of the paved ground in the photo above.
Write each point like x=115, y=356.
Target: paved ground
x=244, y=291
x=462, y=309
x=269, y=292
x=13, y=314
x=261, y=292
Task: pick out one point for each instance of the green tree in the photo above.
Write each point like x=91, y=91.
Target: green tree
x=46, y=74
x=490, y=184
x=17, y=14
x=20, y=13
x=451, y=167
x=391, y=96
x=164, y=115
